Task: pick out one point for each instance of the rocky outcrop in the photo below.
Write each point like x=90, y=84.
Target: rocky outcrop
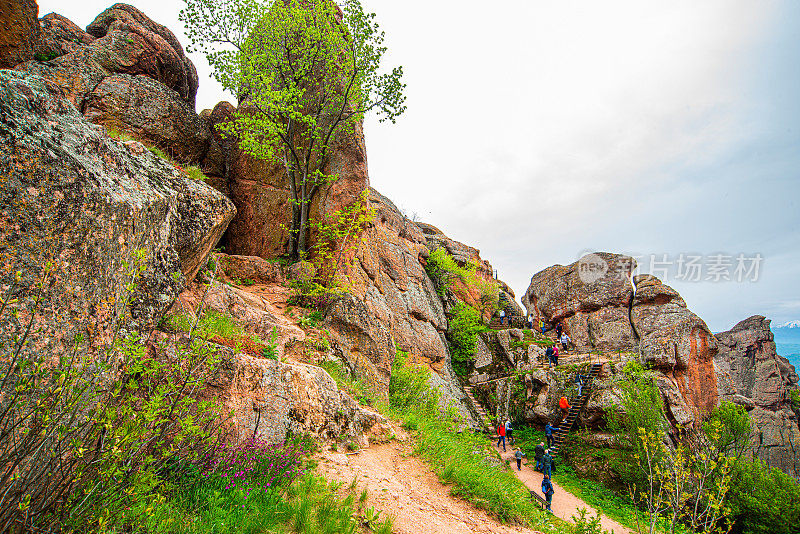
x=141, y=106
x=19, y=31
x=594, y=299
x=752, y=374
x=128, y=72
x=84, y=202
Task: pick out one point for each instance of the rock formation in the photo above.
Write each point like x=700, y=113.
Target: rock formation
x=85, y=202
x=594, y=299
x=19, y=31
x=126, y=72
x=752, y=374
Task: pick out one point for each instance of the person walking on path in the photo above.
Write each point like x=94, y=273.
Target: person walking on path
x=518, y=455
x=501, y=436
x=565, y=341
x=548, y=433
x=555, y=355
x=564, y=405
x=537, y=455
x=509, y=432
x=579, y=381
x=547, y=464
x=541, y=325
x=559, y=329
x=502, y=315
x=547, y=491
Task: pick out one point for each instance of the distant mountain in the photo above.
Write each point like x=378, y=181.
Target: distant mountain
x=787, y=341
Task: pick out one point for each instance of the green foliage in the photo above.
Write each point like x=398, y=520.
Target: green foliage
x=311, y=75
x=441, y=269
x=763, y=499
x=45, y=57
x=159, y=153
x=587, y=525
x=409, y=386
x=270, y=350
x=85, y=436
x=463, y=329
x=346, y=382
x=210, y=323
x=794, y=395
x=734, y=428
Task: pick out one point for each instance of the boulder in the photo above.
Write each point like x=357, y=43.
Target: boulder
x=151, y=112
x=752, y=374
x=86, y=203
x=19, y=31
x=59, y=36
x=272, y=400
x=594, y=299
x=155, y=50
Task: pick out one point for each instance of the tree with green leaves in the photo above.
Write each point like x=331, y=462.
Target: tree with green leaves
x=305, y=72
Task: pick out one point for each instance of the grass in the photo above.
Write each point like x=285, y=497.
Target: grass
x=345, y=381
x=309, y=504
x=211, y=323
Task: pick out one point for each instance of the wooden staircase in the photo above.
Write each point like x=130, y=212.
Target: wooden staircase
x=478, y=408
x=577, y=406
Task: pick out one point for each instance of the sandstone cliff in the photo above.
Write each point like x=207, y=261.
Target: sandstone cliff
x=752, y=374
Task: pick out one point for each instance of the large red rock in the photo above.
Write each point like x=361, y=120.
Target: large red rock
x=594, y=299
x=753, y=375
x=60, y=36
x=75, y=197
x=148, y=110
x=19, y=31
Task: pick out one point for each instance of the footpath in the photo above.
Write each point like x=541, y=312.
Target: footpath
x=564, y=504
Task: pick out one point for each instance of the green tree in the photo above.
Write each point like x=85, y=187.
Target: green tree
x=306, y=72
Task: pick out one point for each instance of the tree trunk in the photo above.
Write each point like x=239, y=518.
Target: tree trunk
x=302, y=244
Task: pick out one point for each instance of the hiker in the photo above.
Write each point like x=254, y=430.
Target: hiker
x=541, y=325
x=579, y=381
x=555, y=355
x=564, y=405
x=547, y=463
x=502, y=315
x=501, y=436
x=518, y=455
x=537, y=455
x=547, y=491
x=559, y=329
x=509, y=432
x=548, y=353
x=565, y=341
x=548, y=433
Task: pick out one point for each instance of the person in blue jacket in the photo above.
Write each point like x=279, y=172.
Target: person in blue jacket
x=548, y=433
x=547, y=491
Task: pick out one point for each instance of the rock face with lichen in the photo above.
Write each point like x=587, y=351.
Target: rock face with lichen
x=19, y=31
x=594, y=300
x=126, y=72
x=751, y=374
x=84, y=202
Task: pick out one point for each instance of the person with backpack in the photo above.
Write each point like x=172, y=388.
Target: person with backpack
x=501, y=436
x=548, y=434
x=509, y=432
x=541, y=325
x=518, y=455
x=547, y=464
x=579, y=381
x=537, y=455
x=559, y=329
x=564, y=405
x=547, y=491
x=555, y=355
x=548, y=353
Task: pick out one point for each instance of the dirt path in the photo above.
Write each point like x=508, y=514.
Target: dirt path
x=403, y=486
x=565, y=504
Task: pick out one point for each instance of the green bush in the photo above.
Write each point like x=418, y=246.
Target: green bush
x=346, y=382
x=441, y=269
x=463, y=329
x=763, y=500
x=409, y=386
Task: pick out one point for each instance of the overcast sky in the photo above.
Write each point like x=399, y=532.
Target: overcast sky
x=537, y=131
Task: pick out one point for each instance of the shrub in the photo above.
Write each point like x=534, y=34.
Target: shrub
x=45, y=57
x=763, y=499
x=463, y=329
x=409, y=385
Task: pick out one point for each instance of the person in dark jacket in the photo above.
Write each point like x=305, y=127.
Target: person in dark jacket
x=547, y=463
x=548, y=433
x=538, y=453
x=547, y=491
x=548, y=353
x=559, y=329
